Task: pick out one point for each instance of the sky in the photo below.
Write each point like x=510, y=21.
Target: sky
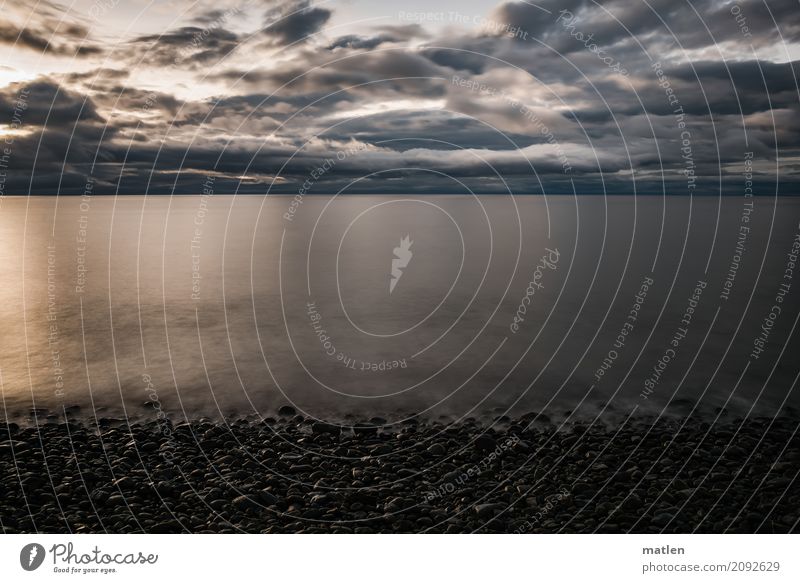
x=288, y=96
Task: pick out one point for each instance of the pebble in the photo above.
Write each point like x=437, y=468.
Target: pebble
x=485, y=442
x=437, y=449
x=321, y=427
x=295, y=475
x=487, y=510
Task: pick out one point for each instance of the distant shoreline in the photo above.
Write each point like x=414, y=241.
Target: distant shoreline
x=733, y=195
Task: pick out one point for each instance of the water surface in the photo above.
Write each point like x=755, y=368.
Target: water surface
x=234, y=306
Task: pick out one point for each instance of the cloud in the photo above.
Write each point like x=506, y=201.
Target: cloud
x=48, y=103
x=354, y=41
x=189, y=45
x=259, y=101
x=294, y=22
x=385, y=34
x=70, y=41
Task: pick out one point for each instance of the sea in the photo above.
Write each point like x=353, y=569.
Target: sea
x=394, y=308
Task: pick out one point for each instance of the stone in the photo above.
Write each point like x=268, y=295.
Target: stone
x=245, y=503
x=437, y=449
x=485, y=442
x=322, y=427
x=487, y=510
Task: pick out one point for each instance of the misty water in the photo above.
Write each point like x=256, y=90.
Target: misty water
x=223, y=306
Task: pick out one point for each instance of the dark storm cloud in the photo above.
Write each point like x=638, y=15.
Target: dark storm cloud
x=48, y=103
x=746, y=87
x=47, y=28
x=353, y=41
x=709, y=88
x=296, y=95
x=403, y=131
x=94, y=75
x=187, y=45
x=215, y=16
x=458, y=60
x=295, y=22
x=386, y=34
x=689, y=25
x=62, y=131
x=398, y=73
x=70, y=41
x=12, y=35
x=534, y=18
x=773, y=78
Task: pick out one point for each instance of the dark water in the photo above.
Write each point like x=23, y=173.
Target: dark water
x=223, y=306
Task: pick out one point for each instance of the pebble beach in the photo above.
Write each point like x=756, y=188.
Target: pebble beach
x=289, y=474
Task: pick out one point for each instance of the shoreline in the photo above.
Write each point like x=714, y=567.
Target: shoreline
x=290, y=474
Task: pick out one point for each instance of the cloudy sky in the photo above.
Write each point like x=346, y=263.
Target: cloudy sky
x=257, y=96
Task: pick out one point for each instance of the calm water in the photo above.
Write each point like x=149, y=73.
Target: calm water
x=234, y=306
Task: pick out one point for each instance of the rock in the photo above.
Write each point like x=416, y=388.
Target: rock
x=365, y=497
x=485, y=442
x=267, y=498
x=661, y=519
x=395, y=505
x=123, y=482
x=245, y=503
x=286, y=411
x=247, y=477
x=320, y=427
x=166, y=527
x=437, y=449
x=9, y=447
x=487, y=510
x=582, y=488
x=99, y=496
x=364, y=429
